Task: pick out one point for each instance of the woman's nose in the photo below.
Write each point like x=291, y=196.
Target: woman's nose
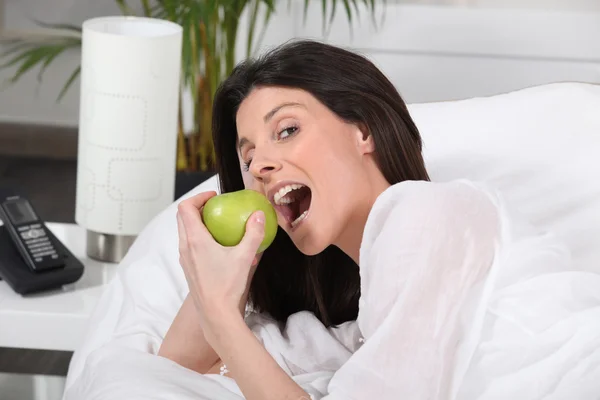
x=263, y=167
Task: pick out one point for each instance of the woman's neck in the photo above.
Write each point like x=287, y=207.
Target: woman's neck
x=350, y=239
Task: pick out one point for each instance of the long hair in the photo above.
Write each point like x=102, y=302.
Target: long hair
x=327, y=284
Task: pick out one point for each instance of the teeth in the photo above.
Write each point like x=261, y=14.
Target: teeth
x=280, y=198
x=299, y=219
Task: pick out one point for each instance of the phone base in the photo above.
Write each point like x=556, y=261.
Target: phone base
x=23, y=280
x=108, y=248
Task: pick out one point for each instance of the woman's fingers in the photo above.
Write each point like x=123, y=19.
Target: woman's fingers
x=181, y=231
x=183, y=246
x=189, y=212
x=200, y=199
x=255, y=233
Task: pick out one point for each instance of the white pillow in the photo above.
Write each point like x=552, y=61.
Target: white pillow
x=539, y=146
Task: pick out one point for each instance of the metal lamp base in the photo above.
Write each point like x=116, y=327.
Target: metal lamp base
x=108, y=248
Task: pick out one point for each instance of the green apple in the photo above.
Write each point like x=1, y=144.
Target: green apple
x=225, y=217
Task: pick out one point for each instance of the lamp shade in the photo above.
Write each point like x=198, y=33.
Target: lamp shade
x=130, y=82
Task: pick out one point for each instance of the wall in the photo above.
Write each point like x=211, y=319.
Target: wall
x=437, y=53
x=433, y=50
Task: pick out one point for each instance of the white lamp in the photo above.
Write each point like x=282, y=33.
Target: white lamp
x=130, y=80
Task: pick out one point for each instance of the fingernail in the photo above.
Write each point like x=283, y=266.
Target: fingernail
x=260, y=217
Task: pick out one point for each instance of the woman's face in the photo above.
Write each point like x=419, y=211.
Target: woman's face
x=315, y=168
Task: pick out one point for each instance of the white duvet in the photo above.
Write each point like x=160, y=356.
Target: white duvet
x=530, y=330
x=460, y=300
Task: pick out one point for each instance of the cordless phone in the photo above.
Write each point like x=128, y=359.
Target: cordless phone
x=29, y=234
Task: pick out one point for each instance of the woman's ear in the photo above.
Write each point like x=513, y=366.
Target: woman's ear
x=364, y=139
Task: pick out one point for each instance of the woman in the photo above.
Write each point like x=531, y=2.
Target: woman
x=363, y=235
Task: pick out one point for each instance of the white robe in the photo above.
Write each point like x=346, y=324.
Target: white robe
x=460, y=299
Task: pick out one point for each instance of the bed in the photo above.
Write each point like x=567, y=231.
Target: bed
x=538, y=146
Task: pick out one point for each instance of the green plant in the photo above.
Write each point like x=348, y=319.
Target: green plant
x=210, y=32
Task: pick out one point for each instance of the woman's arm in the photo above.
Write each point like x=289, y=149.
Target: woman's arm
x=248, y=362
x=184, y=342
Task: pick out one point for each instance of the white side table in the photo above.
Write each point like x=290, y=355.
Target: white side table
x=55, y=320
x=51, y=320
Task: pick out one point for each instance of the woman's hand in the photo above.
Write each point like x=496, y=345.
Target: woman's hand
x=218, y=277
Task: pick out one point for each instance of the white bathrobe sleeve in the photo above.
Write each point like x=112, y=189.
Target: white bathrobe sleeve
x=426, y=254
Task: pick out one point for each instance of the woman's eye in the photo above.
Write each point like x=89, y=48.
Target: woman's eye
x=246, y=166
x=287, y=132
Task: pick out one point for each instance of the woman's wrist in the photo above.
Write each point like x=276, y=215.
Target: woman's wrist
x=246, y=360
x=185, y=342
x=224, y=326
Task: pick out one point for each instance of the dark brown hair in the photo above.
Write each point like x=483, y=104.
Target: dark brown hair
x=328, y=284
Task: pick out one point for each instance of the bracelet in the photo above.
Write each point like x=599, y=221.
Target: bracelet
x=223, y=370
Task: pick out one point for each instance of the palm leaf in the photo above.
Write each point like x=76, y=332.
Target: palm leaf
x=267, y=17
x=334, y=9
x=29, y=59
x=171, y=7
x=69, y=82
x=229, y=27
x=60, y=27
x=305, y=12
x=147, y=8
x=52, y=54
x=255, y=7
x=351, y=7
x=125, y=9
x=21, y=48
x=28, y=55
x=324, y=10
x=348, y=10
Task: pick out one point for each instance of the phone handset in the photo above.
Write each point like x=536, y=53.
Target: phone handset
x=29, y=234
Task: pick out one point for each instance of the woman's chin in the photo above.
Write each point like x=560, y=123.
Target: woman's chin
x=308, y=241
x=308, y=245
x=309, y=251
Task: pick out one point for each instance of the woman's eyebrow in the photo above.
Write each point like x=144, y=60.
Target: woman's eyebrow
x=274, y=111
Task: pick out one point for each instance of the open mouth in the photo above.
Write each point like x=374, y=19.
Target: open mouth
x=293, y=203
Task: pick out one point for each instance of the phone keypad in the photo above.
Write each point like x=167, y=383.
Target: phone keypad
x=33, y=234
x=37, y=242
